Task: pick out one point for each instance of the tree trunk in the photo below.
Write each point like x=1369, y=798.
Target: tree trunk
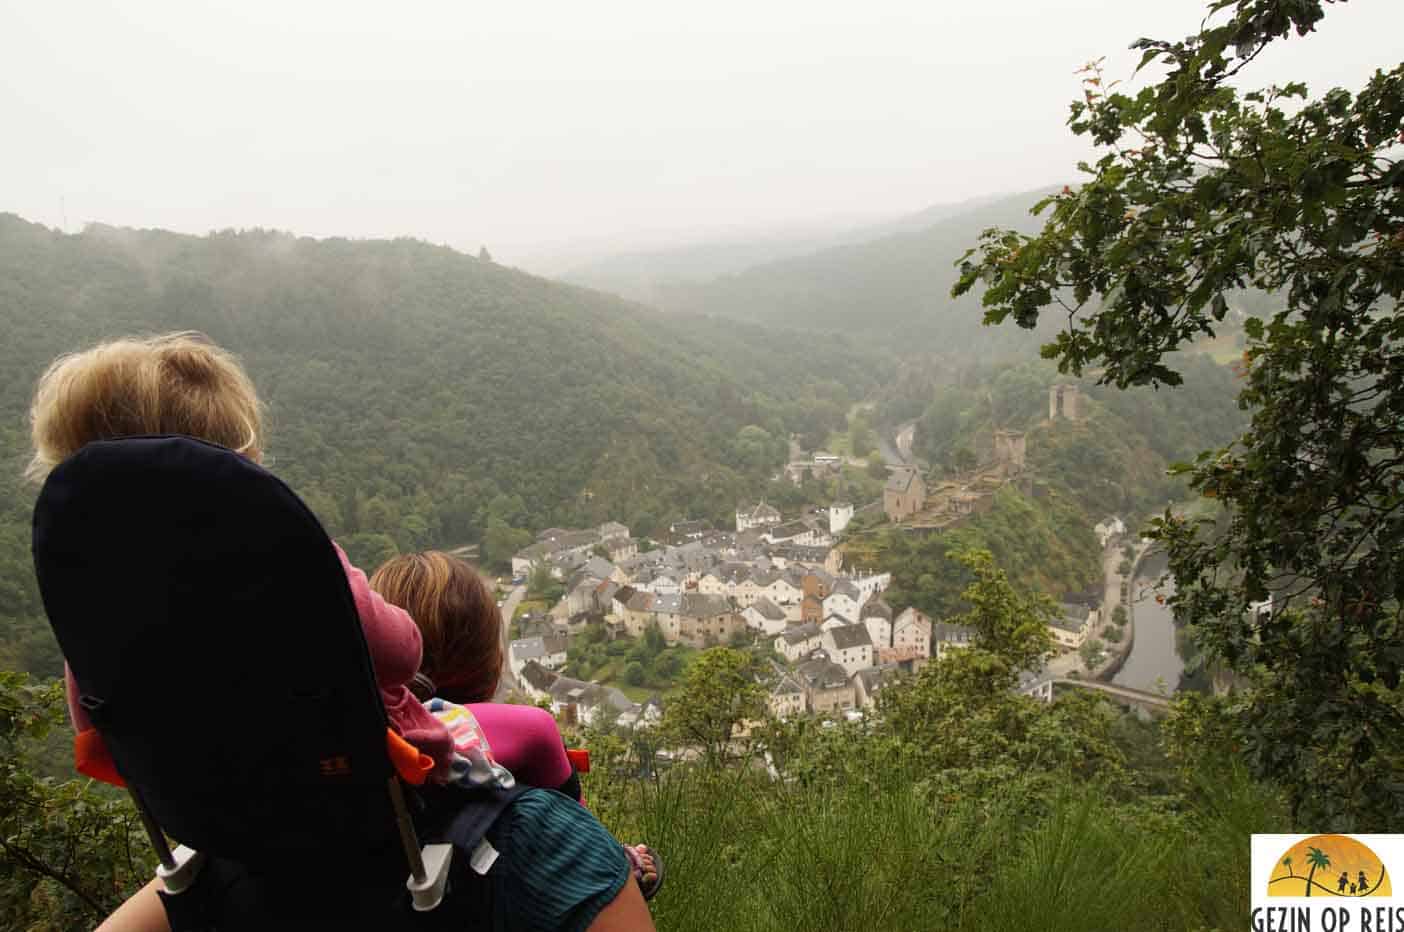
x=1309, y=873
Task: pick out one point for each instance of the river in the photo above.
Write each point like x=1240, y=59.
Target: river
x=1153, y=655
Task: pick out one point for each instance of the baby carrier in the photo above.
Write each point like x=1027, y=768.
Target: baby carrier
x=211, y=631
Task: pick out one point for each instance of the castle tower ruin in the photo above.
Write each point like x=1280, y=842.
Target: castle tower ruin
x=1065, y=400
x=1009, y=449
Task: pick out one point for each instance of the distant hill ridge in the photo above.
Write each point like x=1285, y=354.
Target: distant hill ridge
x=893, y=289
x=644, y=274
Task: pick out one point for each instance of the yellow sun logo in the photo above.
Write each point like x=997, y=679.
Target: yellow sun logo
x=1329, y=865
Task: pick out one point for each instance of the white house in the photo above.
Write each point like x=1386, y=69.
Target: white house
x=1070, y=629
x=840, y=513
x=756, y=516
x=876, y=616
x=798, y=534
x=798, y=641
x=765, y=616
x=870, y=584
x=525, y=650
x=554, y=650
x=787, y=696
x=850, y=647
x=782, y=592
x=845, y=600
x=834, y=621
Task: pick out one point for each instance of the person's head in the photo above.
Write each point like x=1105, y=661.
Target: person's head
x=456, y=614
x=176, y=383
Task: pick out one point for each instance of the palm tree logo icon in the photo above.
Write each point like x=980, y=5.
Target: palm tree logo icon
x=1362, y=873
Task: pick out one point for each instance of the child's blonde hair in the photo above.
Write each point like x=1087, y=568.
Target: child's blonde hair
x=175, y=383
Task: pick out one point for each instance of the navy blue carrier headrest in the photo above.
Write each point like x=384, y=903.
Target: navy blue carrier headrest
x=209, y=625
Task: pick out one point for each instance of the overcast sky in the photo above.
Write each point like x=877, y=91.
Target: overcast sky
x=523, y=124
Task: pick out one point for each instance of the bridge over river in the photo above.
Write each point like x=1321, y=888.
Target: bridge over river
x=1153, y=703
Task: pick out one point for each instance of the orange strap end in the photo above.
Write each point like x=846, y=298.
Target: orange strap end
x=579, y=759
x=411, y=764
x=91, y=759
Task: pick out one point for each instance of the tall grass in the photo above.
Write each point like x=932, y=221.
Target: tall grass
x=746, y=853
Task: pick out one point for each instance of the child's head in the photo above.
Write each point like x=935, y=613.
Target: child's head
x=176, y=383
x=457, y=616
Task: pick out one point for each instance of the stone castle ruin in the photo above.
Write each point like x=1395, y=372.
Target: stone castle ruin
x=1009, y=450
x=1065, y=400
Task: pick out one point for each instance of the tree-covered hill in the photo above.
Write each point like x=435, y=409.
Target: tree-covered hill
x=420, y=397
x=892, y=289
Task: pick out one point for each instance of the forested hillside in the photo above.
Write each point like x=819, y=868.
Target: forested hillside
x=417, y=396
x=892, y=290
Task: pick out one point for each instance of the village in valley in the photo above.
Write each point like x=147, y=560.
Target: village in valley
x=776, y=584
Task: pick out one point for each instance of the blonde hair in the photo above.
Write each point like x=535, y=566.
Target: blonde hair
x=175, y=383
x=457, y=616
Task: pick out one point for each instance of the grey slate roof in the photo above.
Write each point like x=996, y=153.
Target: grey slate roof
x=528, y=649
x=787, y=531
x=798, y=634
x=876, y=608
x=821, y=673
x=697, y=605
x=768, y=609
x=900, y=480
x=847, y=636
x=846, y=587
x=667, y=604
x=598, y=568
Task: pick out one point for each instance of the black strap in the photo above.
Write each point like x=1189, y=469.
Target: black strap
x=571, y=787
x=188, y=911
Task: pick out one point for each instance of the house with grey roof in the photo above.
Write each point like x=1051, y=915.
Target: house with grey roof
x=826, y=684
x=868, y=683
x=876, y=616
x=843, y=600
x=946, y=637
x=849, y=646
x=612, y=530
x=756, y=516
x=555, y=647
x=904, y=494
x=765, y=617
x=707, y=619
x=535, y=680
x=601, y=568
x=798, y=641
x=523, y=651
x=787, y=695
x=1070, y=628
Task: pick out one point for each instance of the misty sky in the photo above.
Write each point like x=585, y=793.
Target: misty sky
x=524, y=124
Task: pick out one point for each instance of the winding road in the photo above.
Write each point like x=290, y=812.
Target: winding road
x=506, y=682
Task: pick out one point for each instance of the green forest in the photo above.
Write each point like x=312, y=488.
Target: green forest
x=418, y=397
